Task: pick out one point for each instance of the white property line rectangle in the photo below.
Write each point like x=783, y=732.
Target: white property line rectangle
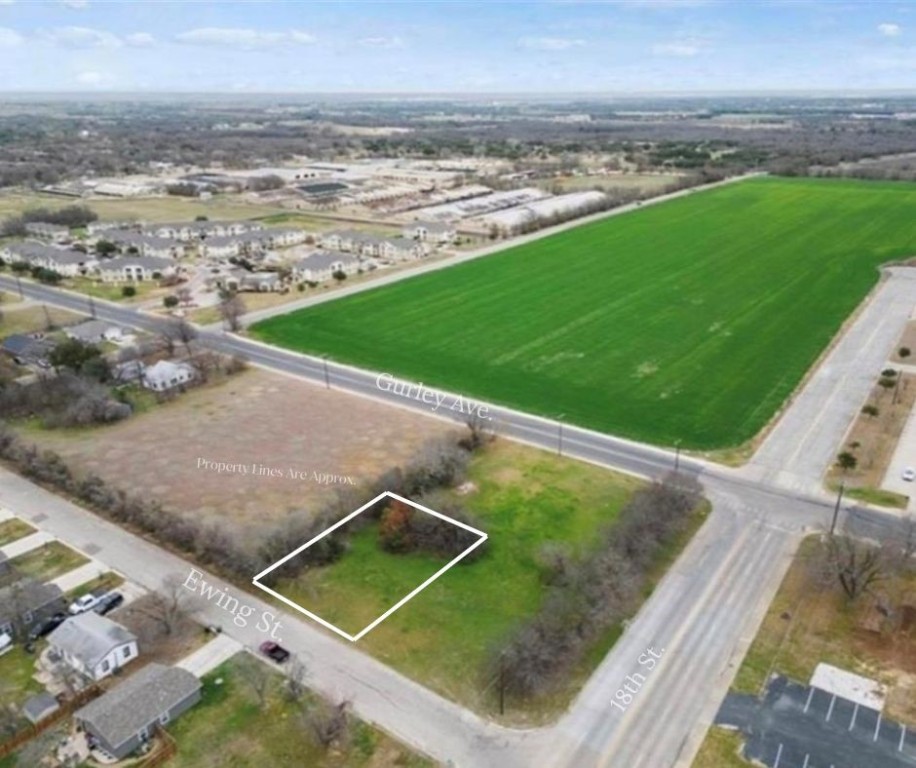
x=387, y=494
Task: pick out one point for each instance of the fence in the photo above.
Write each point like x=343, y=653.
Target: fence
x=66, y=709
x=166, y=749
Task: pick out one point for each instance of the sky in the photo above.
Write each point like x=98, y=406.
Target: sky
x=630, y=46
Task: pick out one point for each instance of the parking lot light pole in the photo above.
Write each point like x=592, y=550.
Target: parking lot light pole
x=836, y=508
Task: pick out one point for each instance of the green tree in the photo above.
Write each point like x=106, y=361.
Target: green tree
x=128, y=290
x=73, y=354
x=170, y=301
x=846, y=461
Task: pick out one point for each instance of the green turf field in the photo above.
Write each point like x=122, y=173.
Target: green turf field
x=687, y=321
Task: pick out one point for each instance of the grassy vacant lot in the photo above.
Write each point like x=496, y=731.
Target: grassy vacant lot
x=523, y=499
x=689, y=321
x=29, y=318
x=13, y=529
x=47, y=561
x=151, y=209
x=644, y=182
x=229, y=729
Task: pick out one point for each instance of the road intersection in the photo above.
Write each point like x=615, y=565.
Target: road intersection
x=704, y=613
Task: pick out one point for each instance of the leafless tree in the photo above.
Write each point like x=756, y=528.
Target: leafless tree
x=168, y=607
x=231, y=309
x=184, y=295
x=296, y=674
x=858, y=565
x=329, y=723
x=258, y=678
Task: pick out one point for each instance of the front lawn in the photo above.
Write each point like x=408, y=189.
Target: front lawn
x=14, y=529
x=47, y=562
x=230, y=729
x=16, y=683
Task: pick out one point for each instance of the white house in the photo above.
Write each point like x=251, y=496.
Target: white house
x=431, y=232
x=93, y=645
x=147, y=245
x=321, y=266
x=126, y=269
x=220, y=247
x=69, y=263
x=397, y=249
x=166, y=375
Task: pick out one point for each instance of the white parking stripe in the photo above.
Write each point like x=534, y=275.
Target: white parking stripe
x=805, y=765
x=877, y=727
x=810, y=696
x=830, y=709
x=902, y=737
x=852, y=723
x=778, y=756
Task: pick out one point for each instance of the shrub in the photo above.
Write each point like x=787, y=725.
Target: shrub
x=128, y=291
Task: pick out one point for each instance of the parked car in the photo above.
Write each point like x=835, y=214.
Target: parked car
x=909, y=474
x=83, y=604
x=6, y=643
x=47, y=626
x=274, y=651
x=108, y=603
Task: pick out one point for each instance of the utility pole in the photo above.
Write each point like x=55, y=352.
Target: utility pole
x=836, y=508
x=19, y=285
x=327, y=377
x=92, y=307
x=677, y=456
x=560, y=434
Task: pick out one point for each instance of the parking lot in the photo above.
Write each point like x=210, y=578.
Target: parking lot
x=799, y=726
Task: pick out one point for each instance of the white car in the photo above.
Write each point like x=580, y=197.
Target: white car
x=83, y=604
x=909, y=474
x=6, y=643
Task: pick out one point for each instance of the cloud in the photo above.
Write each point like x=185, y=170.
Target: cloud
x=889, y=30
x=6, y=2
x=242, y=38
x=9, y=37
x=140, y=40
x=550, y=43
x=382, y=42
x=81, y=37
x=683, y=49
x=76, y=5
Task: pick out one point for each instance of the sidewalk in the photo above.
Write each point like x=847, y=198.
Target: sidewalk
x=79, y=576
x=208, y=658
x=23, y=545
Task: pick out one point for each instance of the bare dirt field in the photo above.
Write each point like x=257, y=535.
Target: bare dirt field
x=257, y=420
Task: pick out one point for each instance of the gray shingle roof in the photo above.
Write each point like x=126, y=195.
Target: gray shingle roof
x=324, y=259
x=90, y=637
x=136, y=703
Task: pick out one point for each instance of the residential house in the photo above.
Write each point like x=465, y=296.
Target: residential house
x=146, y=245
x=345, y=240
x=166, y=375
x=135, y=269
x=190, y=231
x=94, y=228
x=125, y=717
x=321, y=265
x=69, y=263
x=397, y=249
x=221, y=247
x=431, y=232
x=94, y=332
x=128, y=372
x=93, y=645
x=279, y=237
x=52, y=232
x=27, y=350
x=26, y=603
x=260, y=282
